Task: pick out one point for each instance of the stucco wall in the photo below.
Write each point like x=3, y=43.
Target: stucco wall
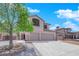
x=34, y=36
x=41, y=24
x=40, y=36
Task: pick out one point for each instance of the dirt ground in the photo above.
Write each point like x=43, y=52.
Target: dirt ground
x=76, y=42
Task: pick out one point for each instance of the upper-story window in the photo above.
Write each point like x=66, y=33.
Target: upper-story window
x=35, y=22
x=45, y=26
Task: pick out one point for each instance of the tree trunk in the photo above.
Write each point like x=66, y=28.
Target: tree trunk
x=11, y=38
x=18, y=35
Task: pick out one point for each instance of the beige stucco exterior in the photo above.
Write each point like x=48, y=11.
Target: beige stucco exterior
x=39, y=28
x=65, y=33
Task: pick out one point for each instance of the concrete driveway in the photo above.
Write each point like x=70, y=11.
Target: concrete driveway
x=56, y=48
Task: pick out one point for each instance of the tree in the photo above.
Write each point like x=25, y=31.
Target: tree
x=12, y=16
x=23, y=23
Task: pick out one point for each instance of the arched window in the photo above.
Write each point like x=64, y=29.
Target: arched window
x=35, y=22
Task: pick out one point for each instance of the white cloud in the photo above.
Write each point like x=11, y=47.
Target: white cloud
x=67, y=24
x=54, y=27
x=69, y=14
x=33, y=10
x=71, y=25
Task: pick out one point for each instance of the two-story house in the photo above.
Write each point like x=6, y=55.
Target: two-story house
x=39, y=24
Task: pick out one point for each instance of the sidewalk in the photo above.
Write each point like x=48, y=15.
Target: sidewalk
x=3, y=43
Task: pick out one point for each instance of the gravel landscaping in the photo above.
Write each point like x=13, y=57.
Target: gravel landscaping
x=5, y=51
x=29, y=49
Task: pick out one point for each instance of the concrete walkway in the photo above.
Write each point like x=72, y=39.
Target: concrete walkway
x=56, y=48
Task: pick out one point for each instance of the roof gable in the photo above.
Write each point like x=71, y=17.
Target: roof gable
x=38, y=17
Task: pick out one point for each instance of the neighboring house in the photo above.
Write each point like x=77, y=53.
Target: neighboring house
x=65, y=33
x=38, y=23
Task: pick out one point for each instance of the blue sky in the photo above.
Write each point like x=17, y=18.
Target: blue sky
x=57, y=14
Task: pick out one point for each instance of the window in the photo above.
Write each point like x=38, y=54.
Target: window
x=45, y=26
x=35, y=22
